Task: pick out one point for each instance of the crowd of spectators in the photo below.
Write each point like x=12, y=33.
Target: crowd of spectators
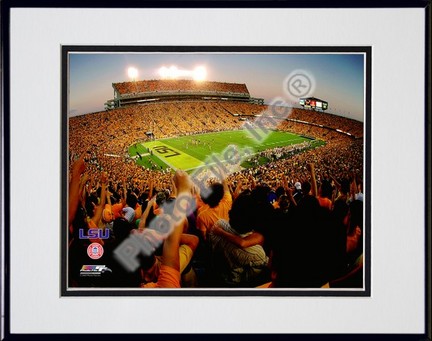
x=113, y=131
x=328, y=120
x=293, y=222
x=172, y=85
x=244, y=109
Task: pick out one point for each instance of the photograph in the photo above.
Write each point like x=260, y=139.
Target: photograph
x=222, y=171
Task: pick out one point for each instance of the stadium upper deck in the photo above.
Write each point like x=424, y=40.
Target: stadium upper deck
x=131, y=93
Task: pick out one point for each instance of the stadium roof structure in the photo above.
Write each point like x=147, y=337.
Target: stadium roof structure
x=141, y=92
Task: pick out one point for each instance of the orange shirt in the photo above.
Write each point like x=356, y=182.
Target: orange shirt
x=116, y=209
x=168, y=278
x=138, y=212
x=325, y=202
x=208, y=216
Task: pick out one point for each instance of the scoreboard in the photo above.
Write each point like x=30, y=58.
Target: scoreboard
x=313, y=103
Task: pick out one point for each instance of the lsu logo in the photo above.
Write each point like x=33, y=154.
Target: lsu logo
x=94, y=234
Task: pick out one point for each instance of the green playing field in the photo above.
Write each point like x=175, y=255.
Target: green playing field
x=190, y=152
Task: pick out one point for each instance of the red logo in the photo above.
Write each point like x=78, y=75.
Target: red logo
x=95, y=251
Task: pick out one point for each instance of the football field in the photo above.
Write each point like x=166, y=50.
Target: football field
x=190, y=152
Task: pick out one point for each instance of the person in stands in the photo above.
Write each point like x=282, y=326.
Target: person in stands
x=216, y=206
x=234, y=265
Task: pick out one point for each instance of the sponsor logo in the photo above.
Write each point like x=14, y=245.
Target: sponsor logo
x=95, y=251
x=94, y=270
x=94, y=234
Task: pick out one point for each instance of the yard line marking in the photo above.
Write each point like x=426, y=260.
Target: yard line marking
x=136, y=156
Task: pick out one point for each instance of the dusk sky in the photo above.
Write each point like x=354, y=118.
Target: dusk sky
x=339, y=78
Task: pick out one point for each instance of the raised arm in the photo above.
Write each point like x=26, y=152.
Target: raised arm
x=99, y=209
x=353, y=186
x=225, y=185
x=337, y=184
x=150, y=189
x=143, y=220
x=170, y=253
x=288, y=190
x=108, y=197
x=253, y=182
x=196, y=193
x=173, y=189
x=311, y=169
x=254, y=238
x=74, y=187
x=190, y=240
x=238, y=189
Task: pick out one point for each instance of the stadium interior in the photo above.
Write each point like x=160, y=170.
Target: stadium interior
x=152, y=110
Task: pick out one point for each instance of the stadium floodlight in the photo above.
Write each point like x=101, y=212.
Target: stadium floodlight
x=163, y=72
x=200, y=73
x=132, y=73
x=169, y=73
x=173, y=72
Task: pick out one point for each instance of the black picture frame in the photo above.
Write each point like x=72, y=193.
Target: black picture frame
x=6, y=189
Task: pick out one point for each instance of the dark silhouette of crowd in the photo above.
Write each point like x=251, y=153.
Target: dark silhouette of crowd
x=295, y=222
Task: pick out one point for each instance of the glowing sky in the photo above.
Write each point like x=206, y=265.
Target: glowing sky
x=338, y=78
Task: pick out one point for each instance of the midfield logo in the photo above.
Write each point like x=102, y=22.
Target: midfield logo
x=94, y=234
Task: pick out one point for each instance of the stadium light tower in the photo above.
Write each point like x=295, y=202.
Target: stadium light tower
x=163, y=72
x=132, y=73
x=200, y=73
